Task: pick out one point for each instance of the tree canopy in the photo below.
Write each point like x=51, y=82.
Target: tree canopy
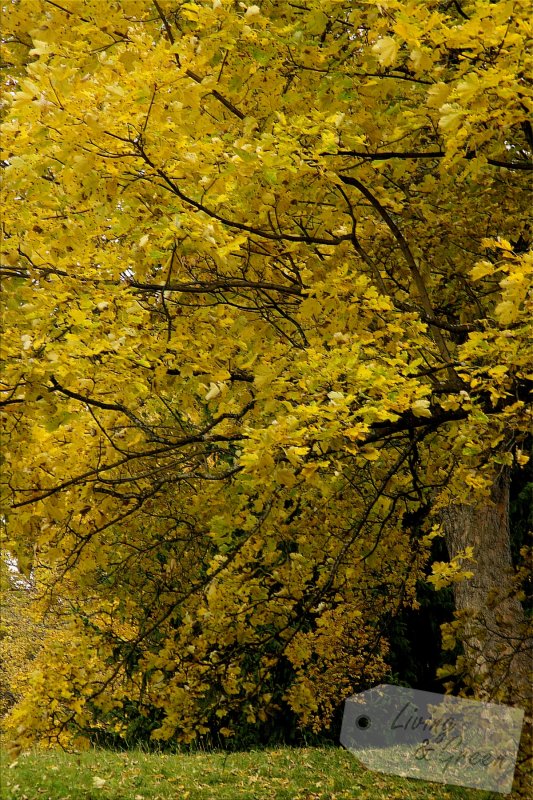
x=267, y=279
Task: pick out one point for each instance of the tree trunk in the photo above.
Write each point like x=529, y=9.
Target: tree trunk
x=497, y=649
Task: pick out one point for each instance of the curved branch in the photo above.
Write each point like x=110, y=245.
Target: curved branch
x=240, y=226
x=411, y=263
x=108, y=407
x=430, y=319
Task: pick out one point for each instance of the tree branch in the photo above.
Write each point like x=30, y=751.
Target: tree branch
x=411, y=263
x=241, y=226
x=214, y=286
x=189, y=73
x=107, y=406
x=387, y=155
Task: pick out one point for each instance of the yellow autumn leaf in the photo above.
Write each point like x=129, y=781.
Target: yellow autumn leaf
x=421, y=407
x=370, y=453
x=386, y=50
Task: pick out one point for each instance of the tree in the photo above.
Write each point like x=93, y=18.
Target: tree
x=268, y=333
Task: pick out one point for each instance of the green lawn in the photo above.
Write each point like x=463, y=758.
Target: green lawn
x=277, y=774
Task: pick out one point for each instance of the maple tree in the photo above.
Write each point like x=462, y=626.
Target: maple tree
x=267, y=332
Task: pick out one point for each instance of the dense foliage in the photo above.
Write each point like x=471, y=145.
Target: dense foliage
x=267, y=313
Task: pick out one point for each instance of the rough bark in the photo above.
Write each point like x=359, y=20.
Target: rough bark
x=497, y=649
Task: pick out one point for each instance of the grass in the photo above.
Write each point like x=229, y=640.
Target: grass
x=276, y=774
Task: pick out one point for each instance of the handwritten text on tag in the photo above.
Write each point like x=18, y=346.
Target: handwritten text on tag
x=433, y=737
